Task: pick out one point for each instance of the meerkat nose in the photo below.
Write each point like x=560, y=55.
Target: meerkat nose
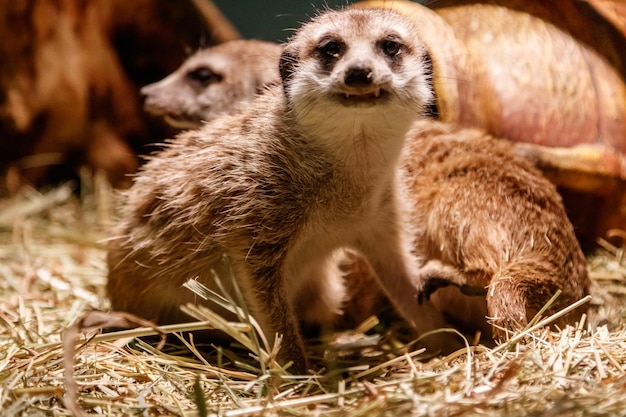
x=358, y=75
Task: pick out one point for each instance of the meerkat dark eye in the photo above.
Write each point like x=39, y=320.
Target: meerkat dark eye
x=330, y=48
x=204, y=76
x=391, y=48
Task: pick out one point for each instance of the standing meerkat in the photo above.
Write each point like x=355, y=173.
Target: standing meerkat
x=220, y=80
x=213, y=81
x=303, y=170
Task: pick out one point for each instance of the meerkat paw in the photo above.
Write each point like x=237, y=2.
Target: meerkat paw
x=430, y=286
x=434, y=274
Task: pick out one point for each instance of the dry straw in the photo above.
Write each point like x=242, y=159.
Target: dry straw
x=52, y=275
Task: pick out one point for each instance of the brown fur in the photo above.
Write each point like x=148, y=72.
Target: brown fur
x=282, y=185
x=294, y=177
x=360, y=294
x=214, y=81
x=70, y=71
x=486, y=218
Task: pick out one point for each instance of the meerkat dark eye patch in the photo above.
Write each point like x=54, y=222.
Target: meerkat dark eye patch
x=204, y=76
x=329, y=49
x=391, y=46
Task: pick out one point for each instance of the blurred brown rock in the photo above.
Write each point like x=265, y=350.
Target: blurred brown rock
x=70, y=71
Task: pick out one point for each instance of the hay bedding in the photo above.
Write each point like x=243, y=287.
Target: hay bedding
x=52, y=271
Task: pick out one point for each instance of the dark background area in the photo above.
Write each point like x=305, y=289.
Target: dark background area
x=273, y=20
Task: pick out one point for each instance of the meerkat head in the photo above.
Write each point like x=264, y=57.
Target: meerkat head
x=213, y=81
x=353, y=61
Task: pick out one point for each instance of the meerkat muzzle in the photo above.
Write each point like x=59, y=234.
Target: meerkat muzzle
x=358, y=76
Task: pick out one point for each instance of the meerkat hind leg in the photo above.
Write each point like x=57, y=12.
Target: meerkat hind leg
x=275, y=313
x=319, y=299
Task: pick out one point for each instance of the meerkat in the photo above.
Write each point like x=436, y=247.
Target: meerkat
x=232, y=80
x=486, y=221
x=213, y=81
x=307, y=168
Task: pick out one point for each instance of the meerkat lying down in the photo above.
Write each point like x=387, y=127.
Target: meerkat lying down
x=484, y=218
x=213, y=81
x=304, y=171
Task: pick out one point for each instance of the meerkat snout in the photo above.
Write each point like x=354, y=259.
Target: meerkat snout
x=358, y=72
x=358, y=75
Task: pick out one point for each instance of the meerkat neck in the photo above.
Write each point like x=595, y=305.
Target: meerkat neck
x=365, y=142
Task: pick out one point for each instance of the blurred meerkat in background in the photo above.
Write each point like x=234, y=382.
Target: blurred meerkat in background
x=213, y=81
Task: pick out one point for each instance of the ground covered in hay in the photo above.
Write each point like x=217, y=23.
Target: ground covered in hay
x=52, y=271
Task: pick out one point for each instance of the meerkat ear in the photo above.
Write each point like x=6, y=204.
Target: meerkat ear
x=286, y=66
